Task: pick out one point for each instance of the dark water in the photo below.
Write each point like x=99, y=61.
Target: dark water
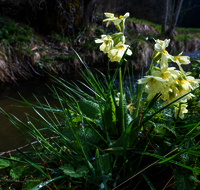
x=9, y=134
x=193, y=54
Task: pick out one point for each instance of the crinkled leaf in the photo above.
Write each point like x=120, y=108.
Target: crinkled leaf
x=14, y=158
x=69, y=170
x=182, y=179
x=160, y=126
x=4, y=163
x=91, y=136
x=89, y=108
x=16, y=172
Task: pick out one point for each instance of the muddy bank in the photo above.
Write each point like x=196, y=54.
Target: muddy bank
x=36, y=55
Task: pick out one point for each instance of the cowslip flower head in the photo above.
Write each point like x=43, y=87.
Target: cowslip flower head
x=117, y=52
x=193, y=82
x=185, y=60
x=107, y=43
x=110, y=18
x=154, y=84
x=118, y=37
x=169, y=94
x=165, y=56
x=183, y=84
x=121, y=19
x=181, y=112
x=117, y=21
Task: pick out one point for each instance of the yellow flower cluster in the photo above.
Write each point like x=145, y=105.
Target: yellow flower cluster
x=114, y=44
x=171, y=83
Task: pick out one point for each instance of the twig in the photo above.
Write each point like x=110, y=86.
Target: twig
x=168, y=183
x=144, y=169
x=35, y=142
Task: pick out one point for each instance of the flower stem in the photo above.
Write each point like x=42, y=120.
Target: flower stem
x=121, y=102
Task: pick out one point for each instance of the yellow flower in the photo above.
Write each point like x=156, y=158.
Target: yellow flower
x=130, y=108
x=193, y=82
x=160, y=47
x=182, y=111
x=167, y=75
x=154, y=84
x=111, y=18
x=121, y=19
x=181, y=60
x=117, y=52
x=183, y=84
x=114, y=19
x=151, y=95
x=107, y=43
x=169, y=94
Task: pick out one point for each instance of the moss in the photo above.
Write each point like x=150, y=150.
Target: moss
x=14, y=33
x=188, y=30
x=64, y=57
x=142, y=21
x=182, y=38
x=99, y=31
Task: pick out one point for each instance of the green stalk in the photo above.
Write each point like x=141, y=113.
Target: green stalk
x=121, y=102
x=151, y=65
x=138, y=102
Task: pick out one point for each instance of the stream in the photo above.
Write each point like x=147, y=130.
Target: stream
x=9, y=134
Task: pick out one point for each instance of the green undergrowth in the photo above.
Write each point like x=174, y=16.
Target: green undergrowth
x=103, y=140
x=12, y=32
x=16, y=38
x=20, y=42
x=195, y=67
x=183, y=34
x=187, y=30
x=142, y=21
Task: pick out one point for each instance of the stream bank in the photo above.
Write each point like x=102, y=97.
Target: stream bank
x=25, y=54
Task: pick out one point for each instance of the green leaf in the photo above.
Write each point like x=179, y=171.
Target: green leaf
x=16, y=172
x=148, y=181
x=130, y=135
x=77, y=119
x=182, y=179
x=110, y=113
x=69, y=170
x=89, y=108
x=91, y=135
x=4, y=163
x=126, y=119
x=103, y=163
x=14, y=158
x=160, y=126
x=30, y=183
x=41, y=185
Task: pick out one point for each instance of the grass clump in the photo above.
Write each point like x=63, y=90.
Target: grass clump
x=187, y=30
x=182, y=38
x=111, y=137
